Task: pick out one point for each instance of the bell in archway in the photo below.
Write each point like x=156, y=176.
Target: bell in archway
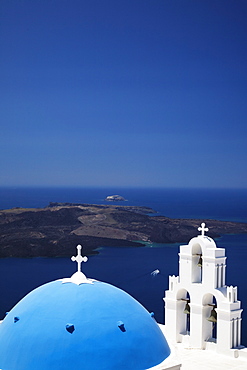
x=187, y=308
x=213, y=316
x=199, y=264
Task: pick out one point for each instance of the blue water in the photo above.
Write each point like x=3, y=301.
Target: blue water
x=216, y=204
x=130, y=268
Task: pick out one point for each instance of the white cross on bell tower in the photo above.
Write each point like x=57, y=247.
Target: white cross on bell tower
x=203, y=229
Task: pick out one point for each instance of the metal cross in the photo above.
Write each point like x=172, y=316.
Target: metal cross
x=79, y=259
x=203, y=229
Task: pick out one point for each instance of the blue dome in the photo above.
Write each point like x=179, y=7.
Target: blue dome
x=65, y=326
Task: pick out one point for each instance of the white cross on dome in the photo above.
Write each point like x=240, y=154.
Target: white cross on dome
x=79, y=259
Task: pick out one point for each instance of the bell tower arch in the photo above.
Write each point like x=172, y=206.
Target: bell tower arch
x=209, y=317
x=196, y=266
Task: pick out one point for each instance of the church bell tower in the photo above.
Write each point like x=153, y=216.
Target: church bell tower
x=200, y=310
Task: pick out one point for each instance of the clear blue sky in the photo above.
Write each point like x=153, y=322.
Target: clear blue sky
x=123, y=93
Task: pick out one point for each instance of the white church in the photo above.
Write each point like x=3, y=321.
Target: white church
x=202, y=314
x=79, y=323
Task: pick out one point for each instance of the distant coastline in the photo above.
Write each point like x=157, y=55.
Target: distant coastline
x=217, y=204
x=56, y=229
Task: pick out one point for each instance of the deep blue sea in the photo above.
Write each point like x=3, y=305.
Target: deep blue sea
x=130, y=268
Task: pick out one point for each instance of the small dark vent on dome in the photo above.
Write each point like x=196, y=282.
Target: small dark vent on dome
x=121, y=326
x=16, y=319
x=70, y=328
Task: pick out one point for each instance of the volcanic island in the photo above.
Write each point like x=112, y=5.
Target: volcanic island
x=54, y=231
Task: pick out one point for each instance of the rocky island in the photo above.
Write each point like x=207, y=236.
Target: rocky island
x=115, y=198
x=56, y=229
